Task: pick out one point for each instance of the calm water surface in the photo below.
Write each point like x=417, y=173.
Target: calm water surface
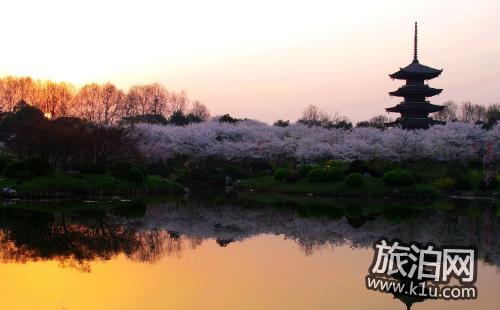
x=221, y=254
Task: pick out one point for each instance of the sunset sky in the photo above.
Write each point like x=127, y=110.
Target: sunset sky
x=260, y=59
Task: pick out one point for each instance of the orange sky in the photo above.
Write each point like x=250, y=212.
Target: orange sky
x=259, y=59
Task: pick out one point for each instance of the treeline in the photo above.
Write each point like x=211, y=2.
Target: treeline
x=468, y=112
x=105, y=104
x=313, y=116
x=34, y=144
x=456, y=143
x=102, y=104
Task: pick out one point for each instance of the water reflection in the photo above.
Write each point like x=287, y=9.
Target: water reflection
x=146, y=233
x=75, y=239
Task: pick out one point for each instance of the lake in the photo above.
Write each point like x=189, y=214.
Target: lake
x=262, y=252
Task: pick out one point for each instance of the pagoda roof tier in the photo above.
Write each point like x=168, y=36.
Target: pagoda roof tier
x=416, y=71
x=425, y=106
x=416, y=90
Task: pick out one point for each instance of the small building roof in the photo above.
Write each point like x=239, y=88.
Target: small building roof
x=405, y=107
x=415, y=70
x=415, y=90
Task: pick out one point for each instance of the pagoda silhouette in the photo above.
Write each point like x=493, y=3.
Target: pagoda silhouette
x=415, y=108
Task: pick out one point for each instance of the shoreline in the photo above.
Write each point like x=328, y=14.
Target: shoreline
x=84, y=186
x=371, y=189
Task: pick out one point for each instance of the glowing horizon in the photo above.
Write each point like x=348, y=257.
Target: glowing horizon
x=259, y=60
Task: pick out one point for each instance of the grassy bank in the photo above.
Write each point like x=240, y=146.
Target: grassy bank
x=372, y=187
x=65, y=185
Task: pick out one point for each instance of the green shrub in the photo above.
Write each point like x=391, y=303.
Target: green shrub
x=142, y=168
x=39, y=166
x=136, y=175
x=336, y=164
x=463, y=185
x=76, y=174
x=335, y=174
x=121, y=170
x=159, y=168
x=216, y=179
x=3, y=162
x=35, y=166
x=378, y=166
x=89, y=168
x=354, y=180
x=357, y=166
x=444, y=184
x=292, y=177
x=398, y=177
x=260, y=165
x=419, y=178
x=303, y=170
x=24, y=175
x=235, y=172
x=281, y=173
x=128, y=172
x=12, y=168
x=317, y=175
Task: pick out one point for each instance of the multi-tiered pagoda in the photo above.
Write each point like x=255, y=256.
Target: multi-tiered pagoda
x=415, y=108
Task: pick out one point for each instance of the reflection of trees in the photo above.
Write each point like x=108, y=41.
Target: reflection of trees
x=168, y=229
x=465, y=225
x=76, y=240
x=153, y=244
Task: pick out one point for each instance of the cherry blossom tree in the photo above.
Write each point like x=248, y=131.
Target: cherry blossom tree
x=453, y=142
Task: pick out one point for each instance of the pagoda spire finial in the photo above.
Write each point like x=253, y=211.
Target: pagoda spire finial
x=415, y=44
